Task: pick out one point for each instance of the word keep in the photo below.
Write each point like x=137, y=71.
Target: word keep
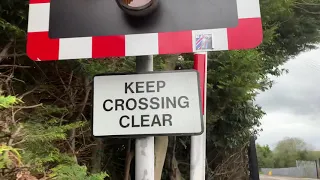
x=144, y=87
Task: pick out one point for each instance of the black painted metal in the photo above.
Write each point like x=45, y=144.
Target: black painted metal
x=81, y=18
x=253, y=160
x=317, y=168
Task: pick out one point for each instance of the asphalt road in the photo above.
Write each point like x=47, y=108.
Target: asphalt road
x=265, y=177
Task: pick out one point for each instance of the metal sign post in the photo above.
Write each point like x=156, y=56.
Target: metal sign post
x=144, y=147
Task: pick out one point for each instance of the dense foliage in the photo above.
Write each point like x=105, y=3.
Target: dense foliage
x=46, y=106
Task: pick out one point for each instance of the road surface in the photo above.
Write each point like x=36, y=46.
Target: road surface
x=265, y=177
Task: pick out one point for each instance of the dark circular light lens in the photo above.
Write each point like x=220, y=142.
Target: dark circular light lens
x=138, y=7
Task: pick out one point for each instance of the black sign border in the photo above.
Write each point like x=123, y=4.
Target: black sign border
x=148, y=135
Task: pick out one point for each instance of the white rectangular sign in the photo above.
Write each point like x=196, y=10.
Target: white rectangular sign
x=157, y=103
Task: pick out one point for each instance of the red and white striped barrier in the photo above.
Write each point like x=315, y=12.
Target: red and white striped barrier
x=248, y=34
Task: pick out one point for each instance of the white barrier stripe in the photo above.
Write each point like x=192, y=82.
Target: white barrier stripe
x=248, y=9
x=71, y=48
x=39, y=17
x=141, y=44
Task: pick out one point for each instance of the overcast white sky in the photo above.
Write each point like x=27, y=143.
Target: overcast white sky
x=293, y=103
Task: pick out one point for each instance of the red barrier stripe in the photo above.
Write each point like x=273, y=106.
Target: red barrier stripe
x=248, y=34
x=40, y=47
x=39, y=1
x=108, y=46
x=175, y=42
x=200, y=66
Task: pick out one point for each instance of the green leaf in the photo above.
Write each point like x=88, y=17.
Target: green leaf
x=8, y=101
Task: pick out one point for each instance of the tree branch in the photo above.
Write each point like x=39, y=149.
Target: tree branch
x=26, y=93
x=14, y=135
x=5, y=50
x=14, y=66
x=78, y=115
x=129, y=157
x=27, y=107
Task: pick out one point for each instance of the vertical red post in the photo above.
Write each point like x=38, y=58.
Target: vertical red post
x=200, y=64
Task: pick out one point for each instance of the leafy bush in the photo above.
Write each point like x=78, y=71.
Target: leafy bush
x=74, y=172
